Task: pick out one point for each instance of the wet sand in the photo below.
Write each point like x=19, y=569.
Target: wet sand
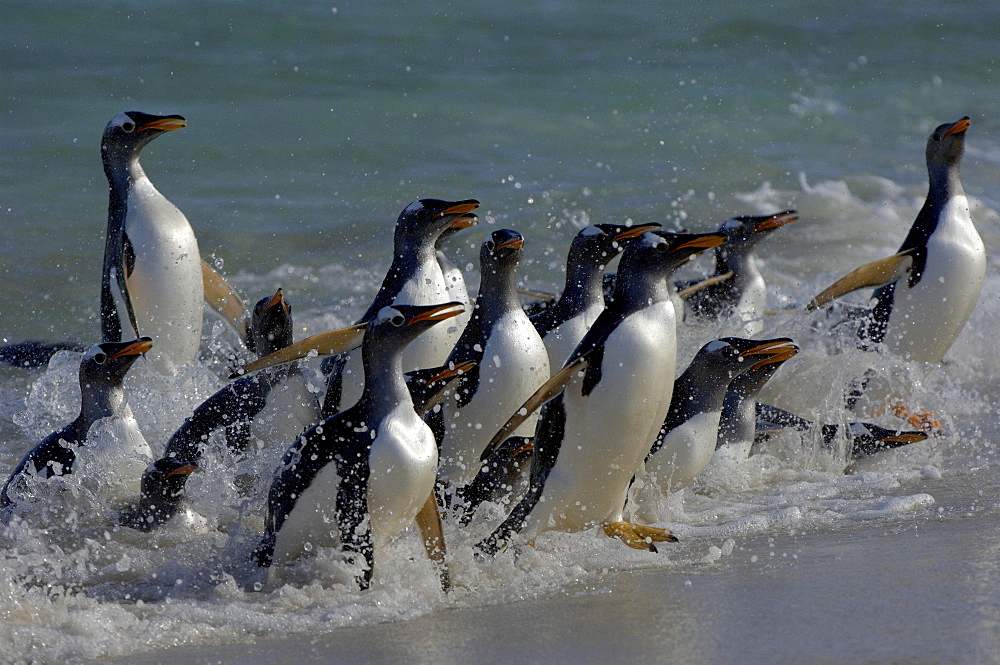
x=925, y=590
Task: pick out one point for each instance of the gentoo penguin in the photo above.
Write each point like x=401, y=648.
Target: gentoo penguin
x=152, y=280
x=453, y=277
x=686, y=440
x=358, y=478
x=511, y=363
x=928, y=289
x=607, y=404
x=102, y=371
x=272, y=406
x=737, y=423
x=564, y=323
x=744, y=293
x=863, y=440
x=745, y=422
x=414, y=278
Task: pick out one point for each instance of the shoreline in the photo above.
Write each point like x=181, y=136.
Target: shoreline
x=920, y=590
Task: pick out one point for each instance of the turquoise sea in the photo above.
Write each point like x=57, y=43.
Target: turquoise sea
x=311, y=125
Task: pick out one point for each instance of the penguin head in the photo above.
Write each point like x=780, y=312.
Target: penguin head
x=109, y=362
x=729, y=357
x=597, y=244
x=501, y=251
x=946, y=144
x=424, y=220
x=662, y=252
x=128, y=132
x=161, y=492
x=744, y=232
x=763, y=363
x=464, y=221
x=270, y=325
x=397, y=325
x=165, y=478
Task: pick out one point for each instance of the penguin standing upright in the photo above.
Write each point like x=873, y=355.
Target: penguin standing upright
x=928, y=289
x=102, y=371
x=360, y=477
x=272, y=406
x=688, y=436
x=564, y=323
x=511, y=363
x=413, y=278
x=743, y=294
x=608, y=402
x=153, y=280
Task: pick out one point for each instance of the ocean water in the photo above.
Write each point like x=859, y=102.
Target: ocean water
x=310, y=126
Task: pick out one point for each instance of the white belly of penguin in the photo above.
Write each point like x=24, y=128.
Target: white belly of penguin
x=114, y=458
x=430, y=349
x=609, y=432
x=563, y=340
x=402, y=460
x=457, y=292
x=750, y=308
x=515, y=365
x=288, y=410
x=926, y=319
x=165, y=286
x=686, y=452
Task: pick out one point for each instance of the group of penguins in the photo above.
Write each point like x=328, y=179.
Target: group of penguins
x=435, y=403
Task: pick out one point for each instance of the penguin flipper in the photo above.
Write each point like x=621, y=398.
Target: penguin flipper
x=224, y=300
x=694, y=288
x=54, y=456
x=555, y=385
x=874, y=274
x=432, y=534
x=238, y=402
x=330, y=343
x=548, y=438
x=781, y=418
x=352, y=512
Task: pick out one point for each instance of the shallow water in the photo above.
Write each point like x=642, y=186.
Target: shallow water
x=311, y=127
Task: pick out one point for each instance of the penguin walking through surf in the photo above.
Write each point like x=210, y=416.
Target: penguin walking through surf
x=564, y=323
x=928, y=289
x=152, y=281
x=740, y=290
x=413, y=278
x=270, y=407
x=746, y=423
x=687, y=438
x=602, y=410
x=105, y=426
x=511, y=364
x=357, y=479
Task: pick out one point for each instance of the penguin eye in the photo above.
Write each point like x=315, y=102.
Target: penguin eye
x=398, y=320
x=128, y=126
x=490, y=246
x=661, y=247
x=100, y=358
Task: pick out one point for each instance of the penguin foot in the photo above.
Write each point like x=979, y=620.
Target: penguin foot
x=922, y=420
x=638, y=536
